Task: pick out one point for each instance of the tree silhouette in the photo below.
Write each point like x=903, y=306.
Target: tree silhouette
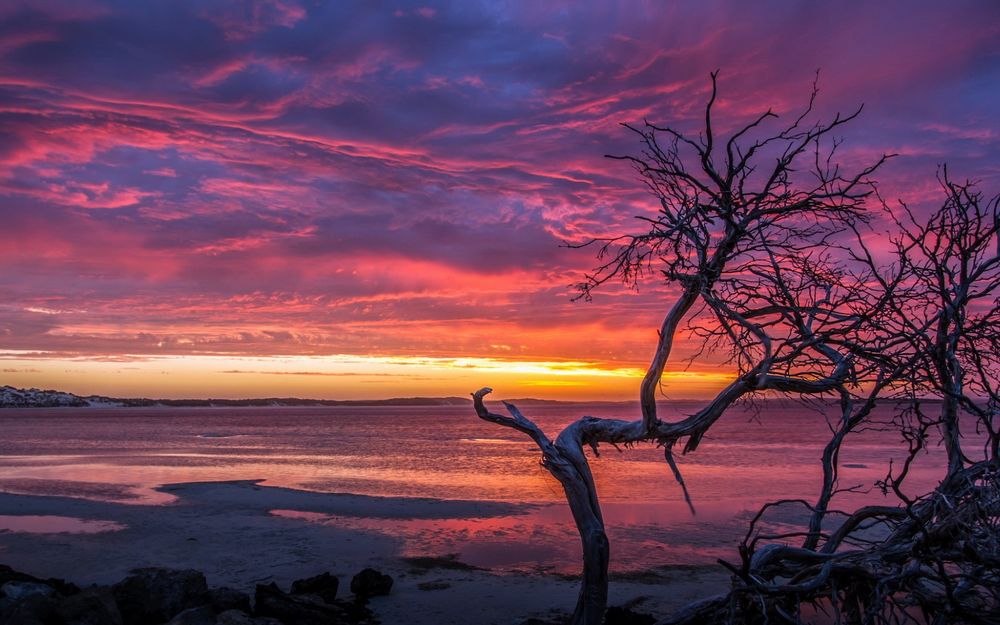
x=742, y=233
x=931, y=558
x=765, y=242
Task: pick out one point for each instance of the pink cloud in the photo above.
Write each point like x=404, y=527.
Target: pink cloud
x=336, y=178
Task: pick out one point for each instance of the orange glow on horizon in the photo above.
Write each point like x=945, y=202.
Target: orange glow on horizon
x=223, y=218
x=345, y=377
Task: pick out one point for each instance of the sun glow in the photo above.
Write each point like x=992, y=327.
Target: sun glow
x=342, y=376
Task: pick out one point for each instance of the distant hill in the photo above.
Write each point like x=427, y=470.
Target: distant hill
x=11, y=397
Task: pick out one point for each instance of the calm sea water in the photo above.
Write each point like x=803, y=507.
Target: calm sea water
x=122, y=455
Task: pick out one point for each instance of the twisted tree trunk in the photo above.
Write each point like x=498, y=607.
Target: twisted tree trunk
x=717, y=210
x=565, y=460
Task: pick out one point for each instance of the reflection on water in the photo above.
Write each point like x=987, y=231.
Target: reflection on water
x=47, y=524
x=544, y=540
x=122, y=455
x=55, y=486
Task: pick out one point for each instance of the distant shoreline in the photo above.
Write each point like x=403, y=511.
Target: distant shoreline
x=11, y=397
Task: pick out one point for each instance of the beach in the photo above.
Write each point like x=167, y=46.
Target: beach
x=227, y=531
x=253, y=496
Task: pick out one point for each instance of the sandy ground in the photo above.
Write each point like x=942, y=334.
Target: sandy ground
x=226, y=530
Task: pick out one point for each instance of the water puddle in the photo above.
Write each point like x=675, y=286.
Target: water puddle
x=106, y=491
x=50, y=524
x=544, y=540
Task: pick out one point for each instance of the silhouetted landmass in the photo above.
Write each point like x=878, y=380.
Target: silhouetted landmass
x=11, y=397
x=297, y=401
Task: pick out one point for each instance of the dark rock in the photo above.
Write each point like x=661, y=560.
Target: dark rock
x=27, y=602
x=625, y=616
x=202, y=615
x=18, y=591
x=32, y=610
x=91, y=606
x=8, y=574
x=323, y=585
x=371, y=583
x=356, y=612
x=292, y=609
x=223, y=599
x=155, y=595
x=235, y=617
x=308, y=609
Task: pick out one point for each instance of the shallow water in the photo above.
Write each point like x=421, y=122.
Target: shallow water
x=122, y=455
x=51, y=524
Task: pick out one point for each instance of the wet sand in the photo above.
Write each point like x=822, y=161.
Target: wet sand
x=229, y=531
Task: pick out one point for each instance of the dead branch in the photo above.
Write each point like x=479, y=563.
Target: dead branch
x=742, y=230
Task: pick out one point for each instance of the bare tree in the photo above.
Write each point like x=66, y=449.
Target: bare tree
x=740, y=232
x=949, y=311
x=932, y=558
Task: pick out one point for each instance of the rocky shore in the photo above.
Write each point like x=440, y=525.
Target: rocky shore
x=153, y=596
x=160, y=596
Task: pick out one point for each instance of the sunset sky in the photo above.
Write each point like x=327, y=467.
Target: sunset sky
x=367, y=199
